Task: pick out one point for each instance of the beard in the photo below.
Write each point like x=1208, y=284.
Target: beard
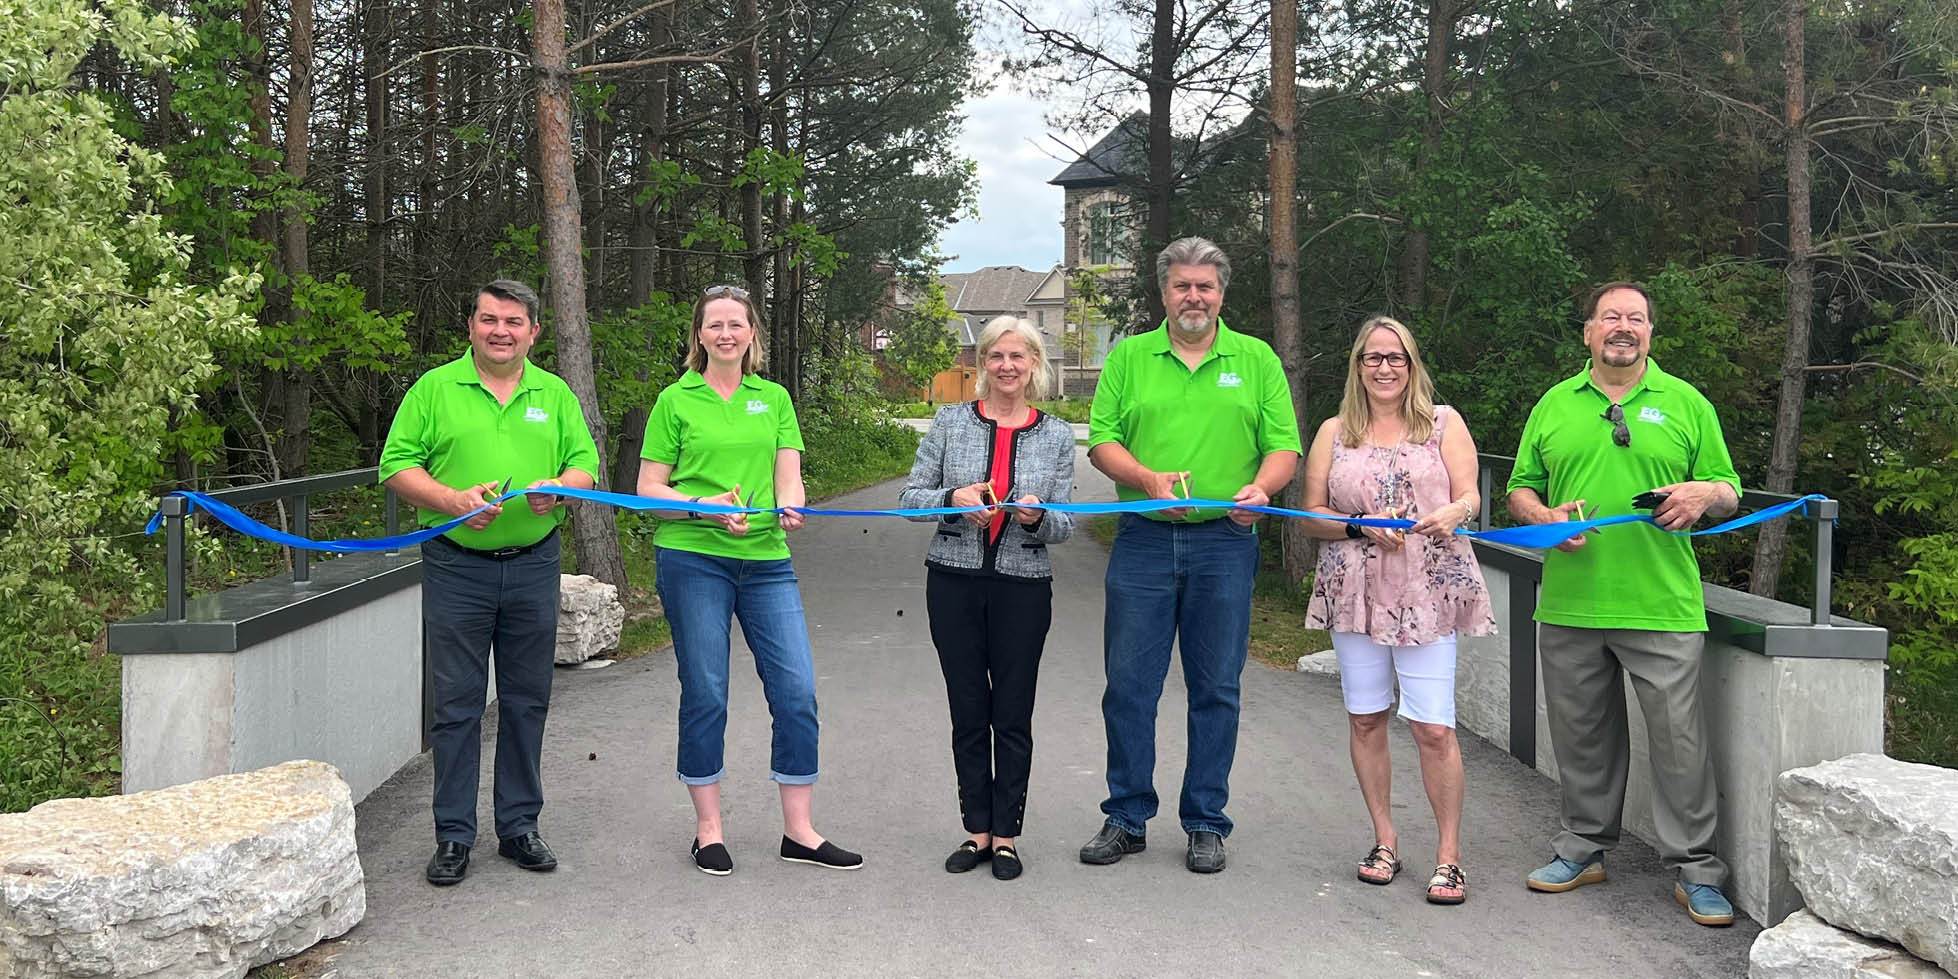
x=1191, y=323
x=1619, y=356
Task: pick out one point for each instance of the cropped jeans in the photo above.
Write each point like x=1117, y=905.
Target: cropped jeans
x=703, y=595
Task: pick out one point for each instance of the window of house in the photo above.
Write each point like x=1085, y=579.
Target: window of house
x=1104, y=233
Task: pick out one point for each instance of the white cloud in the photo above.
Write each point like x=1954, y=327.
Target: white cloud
x=1019, y=219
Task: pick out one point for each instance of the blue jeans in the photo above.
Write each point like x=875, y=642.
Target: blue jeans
x=1175, y=581
x=703, y=594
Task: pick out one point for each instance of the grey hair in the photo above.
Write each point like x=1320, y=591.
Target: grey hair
x=1000, y=326
x=510, y=290
x=1192, y=251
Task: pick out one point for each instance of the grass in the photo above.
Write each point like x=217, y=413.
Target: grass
x=1278, y=633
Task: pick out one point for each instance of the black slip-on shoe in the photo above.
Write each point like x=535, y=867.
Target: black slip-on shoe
x=966, y=857
x=449, y=864
x=712, y=859
x=1112, y=844
x=828, y=855
x=1206, y=854
x=1006, y=863
x=529, y=851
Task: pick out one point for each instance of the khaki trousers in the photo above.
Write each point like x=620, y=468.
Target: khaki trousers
x=1584, y=694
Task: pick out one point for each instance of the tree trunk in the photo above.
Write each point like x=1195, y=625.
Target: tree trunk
x=785, y=353
x=374, y=60
x=754, y=264
x=597, y=537
x=645, y=247
x=295, y=439
x=1298, y=547
x=1434, y=78
x=428, y=220
x=1772, y=544
x=1161, y=88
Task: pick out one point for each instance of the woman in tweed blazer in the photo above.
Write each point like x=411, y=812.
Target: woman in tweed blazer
x=988, y=581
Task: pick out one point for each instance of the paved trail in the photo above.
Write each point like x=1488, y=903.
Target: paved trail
x=627, y=901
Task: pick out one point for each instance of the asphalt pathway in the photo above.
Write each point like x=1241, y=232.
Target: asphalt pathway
x=628, y=902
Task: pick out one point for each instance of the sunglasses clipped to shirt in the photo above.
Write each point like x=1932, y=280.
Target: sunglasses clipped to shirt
x=1621, y=434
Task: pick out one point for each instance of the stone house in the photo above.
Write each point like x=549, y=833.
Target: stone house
x=978, y=296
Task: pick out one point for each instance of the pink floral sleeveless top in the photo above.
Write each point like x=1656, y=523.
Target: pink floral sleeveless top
x=1408, y=597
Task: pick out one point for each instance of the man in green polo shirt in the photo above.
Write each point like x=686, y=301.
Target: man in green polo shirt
x=1197, y=406
x=483, y=421
x=1626, y=598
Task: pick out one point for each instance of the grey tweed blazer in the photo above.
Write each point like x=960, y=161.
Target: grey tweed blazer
x=958, y=451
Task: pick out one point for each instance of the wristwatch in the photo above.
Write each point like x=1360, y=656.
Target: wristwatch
x=1353, y=529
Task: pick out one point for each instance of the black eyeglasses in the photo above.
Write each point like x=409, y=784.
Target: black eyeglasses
x=1621, y=434
x=1376, y=359
x=712, y=292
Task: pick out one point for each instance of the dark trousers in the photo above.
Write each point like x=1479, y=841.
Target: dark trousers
x=989, y=631
x=473, y=607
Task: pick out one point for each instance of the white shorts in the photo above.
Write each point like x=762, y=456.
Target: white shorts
x=1427, y=677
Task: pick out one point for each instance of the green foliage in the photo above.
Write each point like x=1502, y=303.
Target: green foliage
x=519, y=256
x=639, y=351
x=852, y=451
x=104, y=340
x=921, y=342
x=331, y=324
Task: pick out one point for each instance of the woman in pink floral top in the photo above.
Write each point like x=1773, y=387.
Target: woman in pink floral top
x=1396, y=601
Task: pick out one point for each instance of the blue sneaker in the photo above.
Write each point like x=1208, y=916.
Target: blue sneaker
x=1560, y=875
x=1704, y=903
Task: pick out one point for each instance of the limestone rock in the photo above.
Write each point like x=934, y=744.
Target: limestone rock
x=1872, y=844
x=196, y=881
x=589, y=618
x=1806, y=947
x=1323, y=662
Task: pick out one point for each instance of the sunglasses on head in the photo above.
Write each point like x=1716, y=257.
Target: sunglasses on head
x=715, y=292
x=1621, y=434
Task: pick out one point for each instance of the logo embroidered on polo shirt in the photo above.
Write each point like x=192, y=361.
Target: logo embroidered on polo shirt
x=536, y=415
x=757, y=407
x=1653, y=415
x=1229, y=379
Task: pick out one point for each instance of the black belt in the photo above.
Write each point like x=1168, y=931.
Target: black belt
x=503, y=553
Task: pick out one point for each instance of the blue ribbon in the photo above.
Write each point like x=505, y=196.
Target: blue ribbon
x=1531, y=536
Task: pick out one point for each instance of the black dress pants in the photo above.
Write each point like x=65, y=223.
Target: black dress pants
x=989, y=630
x=475, y=610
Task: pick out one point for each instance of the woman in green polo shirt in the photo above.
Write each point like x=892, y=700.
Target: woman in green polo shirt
x=724, y=434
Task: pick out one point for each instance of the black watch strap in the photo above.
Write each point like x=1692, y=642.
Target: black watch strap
x=1353, y=529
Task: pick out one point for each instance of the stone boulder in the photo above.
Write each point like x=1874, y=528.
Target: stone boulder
x=1806, y=947
x=1872, y=844
x=1324, y=662
x=196, y=881
x=589, y=618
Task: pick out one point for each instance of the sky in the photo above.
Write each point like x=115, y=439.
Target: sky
x=1019, y=219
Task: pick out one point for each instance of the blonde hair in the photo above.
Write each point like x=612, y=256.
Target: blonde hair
x=755, y=356
x=1417, y=406
x=1000, y=326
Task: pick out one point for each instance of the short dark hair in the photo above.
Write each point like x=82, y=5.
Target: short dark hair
x=509, y=290
x=1598, y=294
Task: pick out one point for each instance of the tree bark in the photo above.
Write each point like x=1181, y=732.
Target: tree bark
x=374, y=59
x=1161, y=88
x=1434, y=78
x=295, y=441
x=1297, y=546
x=597, y=538
x=645, y=242
x=754, y=263
x=1772, y=544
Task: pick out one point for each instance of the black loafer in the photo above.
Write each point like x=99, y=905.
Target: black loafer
x=1112, y=844
x=712, y=859
x=529, y=851
x=966, y=857
x=829, y=855
x=1006, y=863
x=449, y=864
x=1206, y=854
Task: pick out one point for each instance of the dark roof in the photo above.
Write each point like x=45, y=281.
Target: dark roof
x=1121, y=153
x=993, y=289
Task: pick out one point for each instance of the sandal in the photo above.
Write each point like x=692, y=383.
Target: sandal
x=1380, y=860
x=1449, y=876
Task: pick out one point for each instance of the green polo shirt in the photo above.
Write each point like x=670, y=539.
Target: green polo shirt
x=452, y=426
x=1218, y=421
x=1631, y=576
x=714, y=444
